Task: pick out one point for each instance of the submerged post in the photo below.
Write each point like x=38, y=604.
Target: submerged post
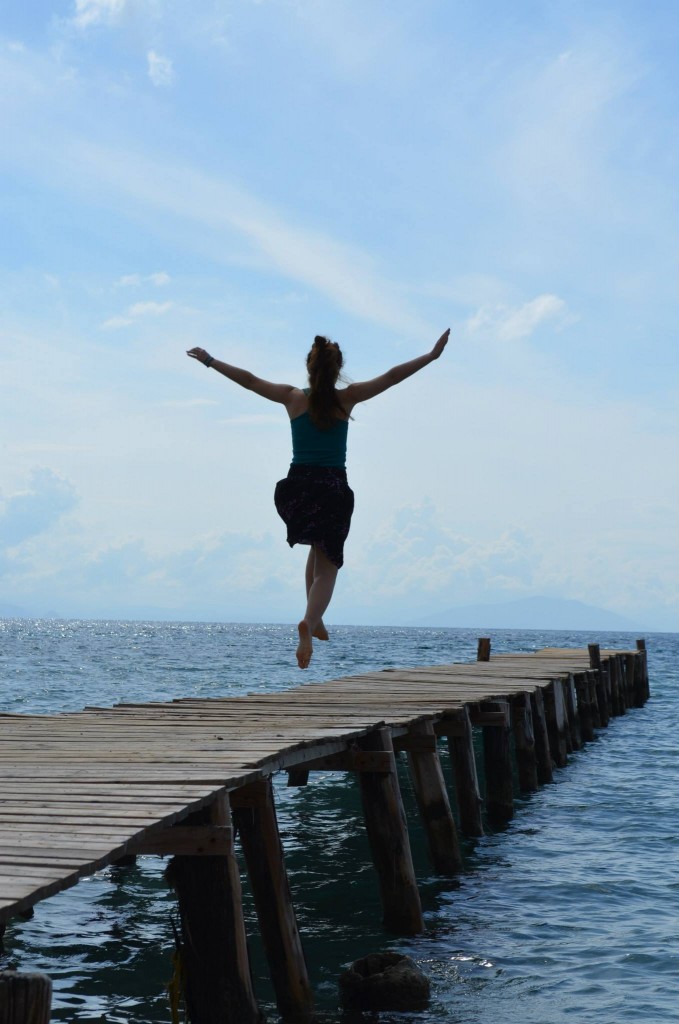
x=557, y=722
x=254, y=817
x=570, y=697
x=543, y=755
x=385, y=823
x=432, y=799
x=585, y=707
x=524, y=742
x=214, y=946
x=497, y=762
x=461, y=749
x=644, y=689
x=602, y=687
x=25, y=998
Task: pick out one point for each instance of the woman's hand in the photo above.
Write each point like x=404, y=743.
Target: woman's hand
x=440, y=344
x=201, y=355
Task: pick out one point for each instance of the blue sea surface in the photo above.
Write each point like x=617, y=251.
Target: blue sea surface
x=571, y=914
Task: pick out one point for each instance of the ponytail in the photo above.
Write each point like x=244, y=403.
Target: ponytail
x=324, y=364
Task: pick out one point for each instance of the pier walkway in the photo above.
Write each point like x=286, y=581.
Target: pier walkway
x=83, y=790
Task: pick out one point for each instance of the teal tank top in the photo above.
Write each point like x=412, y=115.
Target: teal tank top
x=314, y=447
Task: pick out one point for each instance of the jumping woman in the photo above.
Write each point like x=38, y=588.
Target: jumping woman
x=315, y=501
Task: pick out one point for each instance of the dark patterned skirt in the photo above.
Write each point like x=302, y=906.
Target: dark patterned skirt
x=316, y=503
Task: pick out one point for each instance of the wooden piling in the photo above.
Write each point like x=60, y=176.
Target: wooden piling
x=555, y=714
x=585, y=710
x=593, y=688
x=25, y=998
x=570, y=697
x=524, y=742
x=483, y=649
x=214, y=947
x=461, y=749
x=543, y=755
x=385, y=822
x=254, y=818
x=617, y=699
x=497, y=762
x=639, y=683
x=602, y=694
x=432, y=799
x=644, y=689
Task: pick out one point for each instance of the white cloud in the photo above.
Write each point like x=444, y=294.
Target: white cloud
x=34, y=510
x=115, y=323
x=134, y=312
x=149, y=309
x=159, y=279
x=94, y=12
x=505, y=323
x=160, y=69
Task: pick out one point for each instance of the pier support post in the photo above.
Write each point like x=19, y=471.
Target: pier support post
x=602, y=684
x=25, y=998
x=497, y=762
x=572, y=713
x=432, y=799
x=254, y=818
x=214, y=947
x=385, y=823
x=635, y=677
x=543, y=754
x=593, y=690
x=629, y=659
x=615, y=676
x=461, y=749
x=483, y=649
x=644, y=689
x=555, y=713
x=585, y=707
x=524, y=742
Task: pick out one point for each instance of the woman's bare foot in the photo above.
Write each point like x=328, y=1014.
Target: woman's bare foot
x=320, y=632
x=305, y=646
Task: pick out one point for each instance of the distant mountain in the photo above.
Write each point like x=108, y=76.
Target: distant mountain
x=13, y=611
x=532, y=613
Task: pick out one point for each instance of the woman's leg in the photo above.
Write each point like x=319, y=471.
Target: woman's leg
x=320, y=593
x=320, y=633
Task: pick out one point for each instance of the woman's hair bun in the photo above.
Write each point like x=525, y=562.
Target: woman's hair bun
x=320, y=341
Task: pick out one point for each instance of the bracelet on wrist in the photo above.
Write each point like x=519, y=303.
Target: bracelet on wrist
x=208, y=362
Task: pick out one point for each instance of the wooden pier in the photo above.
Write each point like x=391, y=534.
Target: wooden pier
x=185, y=779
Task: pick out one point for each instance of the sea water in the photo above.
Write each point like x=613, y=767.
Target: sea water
x=571, y=914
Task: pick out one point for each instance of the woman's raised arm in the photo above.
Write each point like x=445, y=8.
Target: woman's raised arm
x=364, y=390
x=273, y=392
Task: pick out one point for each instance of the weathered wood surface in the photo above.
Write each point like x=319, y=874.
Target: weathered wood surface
x=25, y=998
x=81, y=790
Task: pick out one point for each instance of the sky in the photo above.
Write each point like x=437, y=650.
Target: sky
x=244, y=174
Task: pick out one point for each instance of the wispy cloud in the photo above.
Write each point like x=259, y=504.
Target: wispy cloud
x=96, y=12
x=149, y=308
x=505, y=323
x=343, y=273
x=33, y=510
x=160, y=279
x=135, y=312
x=160, y=69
